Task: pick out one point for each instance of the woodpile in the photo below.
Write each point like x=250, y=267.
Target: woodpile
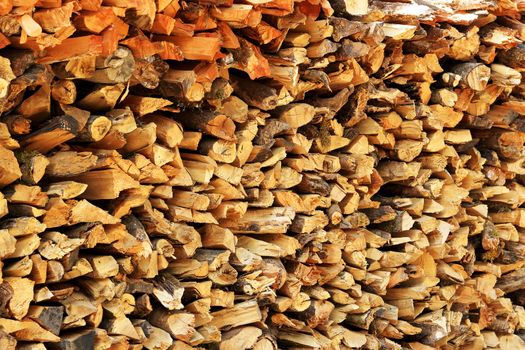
x=265, y=174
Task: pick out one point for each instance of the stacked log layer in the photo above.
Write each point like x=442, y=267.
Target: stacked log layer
x=262, y=174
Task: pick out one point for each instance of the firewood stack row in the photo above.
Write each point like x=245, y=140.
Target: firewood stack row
x=262, y=174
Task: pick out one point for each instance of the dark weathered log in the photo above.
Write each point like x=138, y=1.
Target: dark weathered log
x=55, y=132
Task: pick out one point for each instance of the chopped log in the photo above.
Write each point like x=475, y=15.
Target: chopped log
x=105, y=184
x=196, y=47
x=256, y=94
x=208, y=122
x=219, y=150
x=256, y=221
x=168, y=130
x=49, y=317
x=178, y=324
x=352, y=7
x=56, y=131
x=95, y=129
x=9, y=166
x=83, y=339
x=243, y=313
x=345, y=164
x=64, y=91
x=140, y=105
x=473, y=75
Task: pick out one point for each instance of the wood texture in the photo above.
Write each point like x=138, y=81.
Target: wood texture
x=262, y=174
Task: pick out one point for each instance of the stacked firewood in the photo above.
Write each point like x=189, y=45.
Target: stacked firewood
x=262, y=174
